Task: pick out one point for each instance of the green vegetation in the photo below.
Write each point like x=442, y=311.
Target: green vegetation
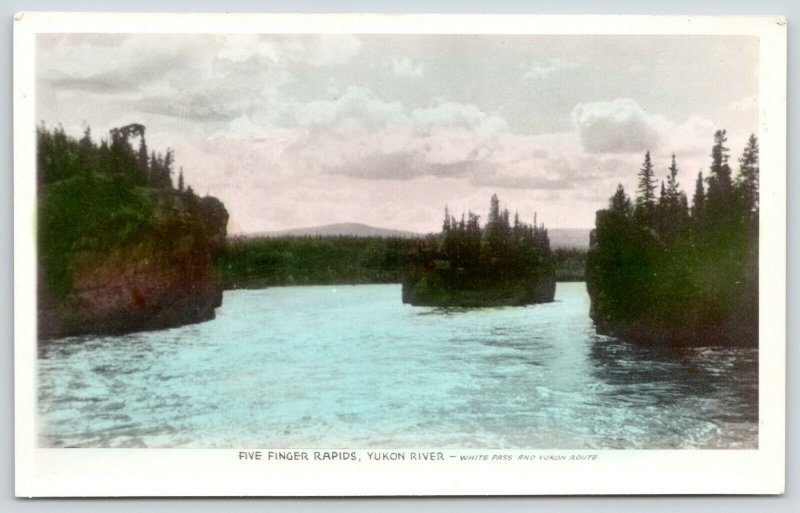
x=105, y=207
x=264, y=262
x=500, y=264
x=98, y=198
x=660, y=272
x=327, y=260
x=570, y=264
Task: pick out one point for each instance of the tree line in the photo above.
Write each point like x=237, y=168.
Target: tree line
x=60, y=157
x=503, y=262
x=659, y=269
x=501, y=251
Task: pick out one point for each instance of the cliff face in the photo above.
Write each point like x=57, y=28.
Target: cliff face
x=160, y=280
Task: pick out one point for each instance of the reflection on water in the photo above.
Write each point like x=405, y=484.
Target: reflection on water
x=354, y=367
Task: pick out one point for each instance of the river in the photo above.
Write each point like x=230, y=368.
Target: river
x=353, y=367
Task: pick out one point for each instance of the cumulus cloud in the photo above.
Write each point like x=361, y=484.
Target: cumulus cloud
x=242, y=47
x=618, y=126
x=539, y=70
x=357, y=107
x=404, y=67
x=456, y=115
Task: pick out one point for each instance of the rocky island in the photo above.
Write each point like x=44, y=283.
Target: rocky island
x=502, y=264
x=661, y=273
x=120, y=248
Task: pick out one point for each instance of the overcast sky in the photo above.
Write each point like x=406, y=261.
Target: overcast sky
x=293, y=131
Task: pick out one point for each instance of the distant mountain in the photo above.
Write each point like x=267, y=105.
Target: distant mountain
x=349, y=229
x=569, y=237
x=559, y=237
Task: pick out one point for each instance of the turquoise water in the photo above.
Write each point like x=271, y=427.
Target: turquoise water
x=351, y=366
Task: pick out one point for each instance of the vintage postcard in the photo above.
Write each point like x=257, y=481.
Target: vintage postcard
x=336, y=255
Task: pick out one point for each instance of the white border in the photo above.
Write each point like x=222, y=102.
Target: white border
x=180, y=472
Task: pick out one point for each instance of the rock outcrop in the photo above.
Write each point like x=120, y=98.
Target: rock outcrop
x=150, y=284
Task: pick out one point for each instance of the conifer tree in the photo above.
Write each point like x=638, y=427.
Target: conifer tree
x=747, y=181
x=494, y=210
x=719, y=180
x=646, y=191
x=620, y=203
x=142, y=157
x=699, y=199
x=672, y=180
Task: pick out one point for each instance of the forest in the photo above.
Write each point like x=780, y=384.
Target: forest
x=663, y=272
x=111, y=222
x=502, y=263
x=251, y=263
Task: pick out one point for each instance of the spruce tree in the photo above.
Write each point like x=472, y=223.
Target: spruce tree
x=646, y=191
x=142, y=157
x=620, y=203
x=672, y=181
x=747, y=181
x=719, y=180
x=699, y=199
x=494, y=210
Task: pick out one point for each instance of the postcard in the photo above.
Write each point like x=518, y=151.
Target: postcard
x=399, y=255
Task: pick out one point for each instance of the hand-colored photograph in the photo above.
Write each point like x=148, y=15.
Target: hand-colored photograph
x=397, y=241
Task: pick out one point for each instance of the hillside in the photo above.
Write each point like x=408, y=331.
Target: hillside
x=559, y=237
x=338, y=229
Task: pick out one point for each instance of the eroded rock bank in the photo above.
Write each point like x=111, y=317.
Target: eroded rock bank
x=162, y=280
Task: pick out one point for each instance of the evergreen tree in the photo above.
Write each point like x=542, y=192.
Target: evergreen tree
x=680, y=282
x=142, y=157
x=747, y=181
x=672, y=181
x=166, y=172
x=620, y=203
x=180, y=180
x=719, y=180
x=646, y=191
x=494, y=210
x=699, y=199
x=673, y=216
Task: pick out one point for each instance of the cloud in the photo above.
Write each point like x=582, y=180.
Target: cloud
x=194, y=107
x=618, y=126
x=357, y=107
x=243, y=47
x=403, y=67
x=540, y=70
x=129, y=76
x=127, y=64
x=456, y=115
x=319, y=50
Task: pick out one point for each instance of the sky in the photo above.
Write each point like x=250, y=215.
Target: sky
x=304, y=130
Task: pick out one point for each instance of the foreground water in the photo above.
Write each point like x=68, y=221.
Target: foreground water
x=350, y=366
